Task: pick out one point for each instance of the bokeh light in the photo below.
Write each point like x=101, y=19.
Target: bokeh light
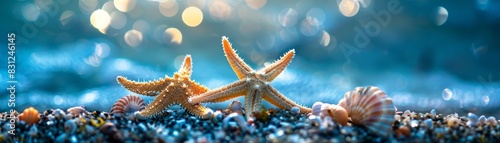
x=349, y=8
x=31, y=12
x=288, y=17
x=173, y=35
x=133, y=38
x=192, y=16
x=309, y=26
x=256, y=4
x=118, y=20
x=122, y=64
x=88, y=6
x=220, y=10
x=447, y=94
x=100, y=19
x=365, y=3
x=325, y=39
x=66, y=17
x=109, y=7
x=124, y=5
x=485, y=100
x=58, y=100
x=318, y=14
x=168, y=8
x=141, y=25
x=442, y=16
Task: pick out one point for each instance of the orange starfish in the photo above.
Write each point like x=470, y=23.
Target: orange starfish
x=169, y=91
x=254, y=85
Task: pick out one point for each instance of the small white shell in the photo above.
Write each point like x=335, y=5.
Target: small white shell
x=370, y=107
x=492, y=121
x=128, y=105
x=78, y=111
x=316, y=108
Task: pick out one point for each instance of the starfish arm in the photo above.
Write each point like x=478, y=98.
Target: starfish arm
x=272, y=96
x=197, y=110
x=145, y=88
x=196, y=88
x=253, y=102
x=186, y=68
x=272, y=71
x=157, y=106
x=224, y=93
x=239, y=66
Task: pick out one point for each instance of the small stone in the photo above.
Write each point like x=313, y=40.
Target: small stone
x=433, y=112
x=428, y=123
x=403, y=131
x=70, y=126
x=295, y=110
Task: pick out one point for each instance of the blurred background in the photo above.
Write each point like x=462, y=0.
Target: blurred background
x=424, y=54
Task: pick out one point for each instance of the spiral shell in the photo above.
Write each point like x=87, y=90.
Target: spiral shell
x=370, y=107
x=128, y=105
x=30, y=116
x=335, y=112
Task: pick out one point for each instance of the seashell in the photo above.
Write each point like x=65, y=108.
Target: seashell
x=453, y=122
x=472, y=119
x=407, y=113
x=336, y=113
x=482, y=119
x=78, y=111
x=59, y=114
x=316, y=108
x=235, y=107
x=128, y=105
x=370, y=107
x=491, y=121
x=30, y=116
x=397, y=117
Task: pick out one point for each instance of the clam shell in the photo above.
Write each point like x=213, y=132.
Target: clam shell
x=128, y=105
x=370, y=107
x=30, y=116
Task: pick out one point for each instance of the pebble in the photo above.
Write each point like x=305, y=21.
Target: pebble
x=280, y=126
x=433, y=112
x=295, y=110
x=70, y=126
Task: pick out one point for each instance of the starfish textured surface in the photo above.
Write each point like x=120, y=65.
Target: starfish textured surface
x=169, y=91
x=254, y=85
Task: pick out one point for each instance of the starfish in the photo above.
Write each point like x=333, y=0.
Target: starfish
x=169, y=91
x=254, y=85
